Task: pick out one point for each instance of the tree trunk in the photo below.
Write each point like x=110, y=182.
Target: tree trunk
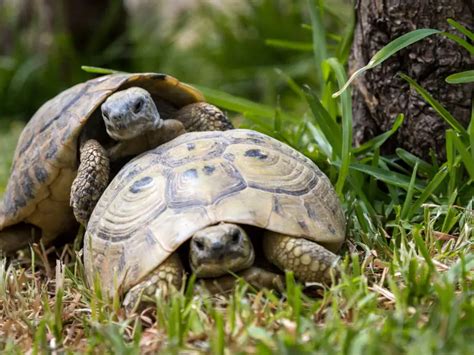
x=381, y=95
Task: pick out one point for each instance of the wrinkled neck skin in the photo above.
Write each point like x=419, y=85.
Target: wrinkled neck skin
x=220, y=249
x=130, y=113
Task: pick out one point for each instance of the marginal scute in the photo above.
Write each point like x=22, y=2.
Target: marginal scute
x=236, y=176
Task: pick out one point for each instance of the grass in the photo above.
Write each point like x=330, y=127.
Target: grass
x=406, y=284
x=413, y=296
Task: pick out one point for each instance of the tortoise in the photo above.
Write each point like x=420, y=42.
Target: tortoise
x=209, y=188
x=112, y=117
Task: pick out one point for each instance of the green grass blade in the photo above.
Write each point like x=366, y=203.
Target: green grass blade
x=409, y=196
x=346, y=101
x=463, y=151
x=436, y=105
x=400, y=43
x=450, y=161
x=329, y=127
x=237, y=104
x=389, y=50
x=461, y=78
x=344, y=47
x=420, y=243
x=428, y=191
x=388, y=176
x=277, y=119
x=98, y=70
x=320, y=138
x=291, y=83
x=413, y=160
x=461, y=41
x=292, y=45
x=357, y=73
x=372, y=181
x=377, y=141
x=461, y=29
x=319, y=38
x=218, y=340
x=471, y=129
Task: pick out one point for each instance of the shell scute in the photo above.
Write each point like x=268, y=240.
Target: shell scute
x=193, y=184
x=188, y=152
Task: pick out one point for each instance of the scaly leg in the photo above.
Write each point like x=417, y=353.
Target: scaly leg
x=202, y=116
x=91, y=180
x=309, y=261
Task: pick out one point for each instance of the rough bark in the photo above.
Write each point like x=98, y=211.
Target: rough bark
x=380, y=95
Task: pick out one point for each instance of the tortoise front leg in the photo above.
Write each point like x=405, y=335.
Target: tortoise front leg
x=202, y=116
x=91, y=180
x=165, y=278
x=309, y=261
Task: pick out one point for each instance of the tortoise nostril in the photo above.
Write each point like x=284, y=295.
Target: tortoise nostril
x=117, y=117
x=217, y=246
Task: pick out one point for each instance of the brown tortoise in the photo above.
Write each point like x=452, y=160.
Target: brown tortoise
x=76, y=133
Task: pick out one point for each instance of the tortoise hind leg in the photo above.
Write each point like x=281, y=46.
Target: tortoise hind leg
x=201, y=116
x=91, y=180
x=165, y=278
x=17, y=237
x=309, y=261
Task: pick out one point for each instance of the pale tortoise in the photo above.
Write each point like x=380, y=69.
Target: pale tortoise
x=208, y=188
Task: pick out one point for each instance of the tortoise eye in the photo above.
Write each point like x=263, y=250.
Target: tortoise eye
x=105, y=115
x=235, y=236
x=138, y=105
x=199, y=244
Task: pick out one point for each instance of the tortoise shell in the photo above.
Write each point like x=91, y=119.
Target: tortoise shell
x=161, y=198
x=46, y=157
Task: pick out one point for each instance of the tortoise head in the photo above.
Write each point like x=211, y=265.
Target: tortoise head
x=218, y=249
x=130, y=113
